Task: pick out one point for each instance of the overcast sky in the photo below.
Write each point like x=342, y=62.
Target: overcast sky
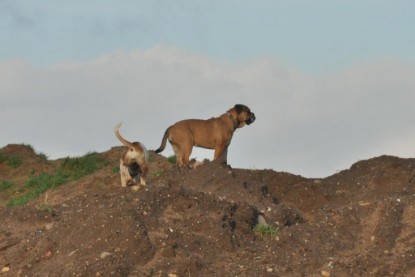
x=331, y=82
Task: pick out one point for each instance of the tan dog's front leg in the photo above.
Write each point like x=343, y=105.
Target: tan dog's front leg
x=221, y=153
x=123, y=174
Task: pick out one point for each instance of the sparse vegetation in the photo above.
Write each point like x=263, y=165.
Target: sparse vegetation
x=266, y=230
x=150, y=157
x=39, y=184
x=157, y=173
x=45, y=207
x=28, y=146
x=14, y=161
x=3, y=157
x=43, y=156
x=172, y=159
x=81, y=166
x=70, y=169
x=6, y=185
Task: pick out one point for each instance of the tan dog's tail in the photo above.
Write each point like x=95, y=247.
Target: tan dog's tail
x=163, y=142
x=123, y=140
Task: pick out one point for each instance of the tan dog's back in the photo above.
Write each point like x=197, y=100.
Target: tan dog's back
x=203, y=133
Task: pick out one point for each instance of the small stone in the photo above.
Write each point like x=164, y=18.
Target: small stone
x=325, y=273
x=135, y=188
x=49, y=226
x=72, y=253
x=197, y=164
x=48, y=254
x=5, y=269
x=269, y=269
x=172, y=275
x=104, y=255
x=261, y=220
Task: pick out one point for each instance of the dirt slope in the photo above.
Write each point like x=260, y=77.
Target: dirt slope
x=358, y=222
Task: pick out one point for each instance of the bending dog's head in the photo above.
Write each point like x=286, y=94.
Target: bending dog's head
x=243, y=115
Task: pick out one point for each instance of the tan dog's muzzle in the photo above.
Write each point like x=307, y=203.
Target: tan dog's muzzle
x=251, y=119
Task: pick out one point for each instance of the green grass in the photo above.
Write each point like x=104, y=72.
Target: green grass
x=39, y=184
x=266, y=230
x=81, y=166
x=3, y=157
x=14, y=161
x=172, y=159
x=70, y=169
x=6, y=185
x=43, y=157
x=28, y=146
x=45, y=207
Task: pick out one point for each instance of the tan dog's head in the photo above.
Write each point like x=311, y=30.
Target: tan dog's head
x=242, y=114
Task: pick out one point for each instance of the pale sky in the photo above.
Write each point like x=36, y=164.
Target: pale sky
x=331, y=82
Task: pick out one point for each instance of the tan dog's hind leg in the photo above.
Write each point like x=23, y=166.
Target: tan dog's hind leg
x=178, y=152
x=182, y=155
x=144, y=172
x=186, y=151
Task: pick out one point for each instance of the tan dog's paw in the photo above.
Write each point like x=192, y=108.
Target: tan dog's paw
x=137, y=188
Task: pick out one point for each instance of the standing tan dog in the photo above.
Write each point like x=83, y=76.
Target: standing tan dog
x=133, y=162
x=215, y=133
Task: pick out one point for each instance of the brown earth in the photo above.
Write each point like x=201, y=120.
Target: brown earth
x=358, y=222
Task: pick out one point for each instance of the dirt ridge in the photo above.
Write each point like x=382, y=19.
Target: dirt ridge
x=357, y=222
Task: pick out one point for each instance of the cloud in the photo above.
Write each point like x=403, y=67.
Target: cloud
x=308, y=125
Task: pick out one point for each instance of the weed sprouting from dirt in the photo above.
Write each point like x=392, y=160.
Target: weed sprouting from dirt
x=45, y=207
x=266, y=230
x=172, y=159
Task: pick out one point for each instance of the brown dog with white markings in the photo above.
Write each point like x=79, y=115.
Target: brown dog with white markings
x=133, y=162
x=215, y=133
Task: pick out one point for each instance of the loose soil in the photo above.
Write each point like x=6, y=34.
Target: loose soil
x=201, y=222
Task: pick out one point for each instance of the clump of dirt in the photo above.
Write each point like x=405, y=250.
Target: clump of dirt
x=202, y=222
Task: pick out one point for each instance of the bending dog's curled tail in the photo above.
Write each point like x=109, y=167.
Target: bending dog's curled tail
x=123, y=140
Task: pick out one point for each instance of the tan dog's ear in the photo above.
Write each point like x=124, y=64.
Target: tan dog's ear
x=239, y=108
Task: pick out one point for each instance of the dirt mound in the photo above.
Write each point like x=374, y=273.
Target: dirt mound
x=204, y=222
